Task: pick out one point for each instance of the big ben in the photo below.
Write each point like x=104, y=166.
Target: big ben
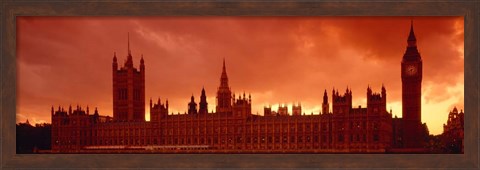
x=411, y=93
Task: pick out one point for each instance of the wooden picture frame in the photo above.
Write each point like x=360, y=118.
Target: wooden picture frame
x=10, y=10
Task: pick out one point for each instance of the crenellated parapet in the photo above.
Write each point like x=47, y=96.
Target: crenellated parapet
x=341, y=104
x=242, y=106
x=158, y=110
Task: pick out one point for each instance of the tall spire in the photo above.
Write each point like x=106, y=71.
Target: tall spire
x=224, y=100
x=224, y=77
x=128, y=43
x=411, y=37
x=203, y=102
x=129, y=62
x=224, y=66
x=325, y=97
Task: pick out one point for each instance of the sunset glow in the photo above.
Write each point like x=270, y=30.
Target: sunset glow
x=64, y=61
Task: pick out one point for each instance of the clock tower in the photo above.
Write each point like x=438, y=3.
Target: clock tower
x=411, y=94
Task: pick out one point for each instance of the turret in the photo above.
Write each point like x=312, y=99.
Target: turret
x=325, y=105
x=384, y=93
x=203, y=103
x=192, y=106
x=341, y=104
x=114, y=64
x=150, y=103
x=142, y=64
x=166, y=104
x=376, y=102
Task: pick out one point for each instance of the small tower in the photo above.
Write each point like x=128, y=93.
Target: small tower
x=224, y=102
x=203, y=103
x=376, y=102
x=192, y=106
x=267, y=111
x=341, y=104
x=296, y=109
x=128, y=89
x=325, y=105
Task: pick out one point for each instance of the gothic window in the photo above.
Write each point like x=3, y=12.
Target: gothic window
x=239, y=130
x=300, y=128
x=376, y=138
x=340, y=137
x=120, y=94
x=277, y=129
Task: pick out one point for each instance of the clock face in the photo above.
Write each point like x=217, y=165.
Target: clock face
x=411, y=70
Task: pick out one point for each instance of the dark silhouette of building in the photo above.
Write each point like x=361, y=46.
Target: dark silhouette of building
x=346, y=129
x=224, y=94
x=31, y=139
x=128, y=90
x=203, y=105
x=325, y=105
x=233, y=128
x=192, y=106
x=411, y=94
x=453, y=132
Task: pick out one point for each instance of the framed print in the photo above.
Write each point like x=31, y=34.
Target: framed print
x=239, y=85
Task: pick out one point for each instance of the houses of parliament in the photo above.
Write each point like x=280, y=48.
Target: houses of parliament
x=232, y=128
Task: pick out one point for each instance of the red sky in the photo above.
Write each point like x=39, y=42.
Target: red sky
x=279, y=60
